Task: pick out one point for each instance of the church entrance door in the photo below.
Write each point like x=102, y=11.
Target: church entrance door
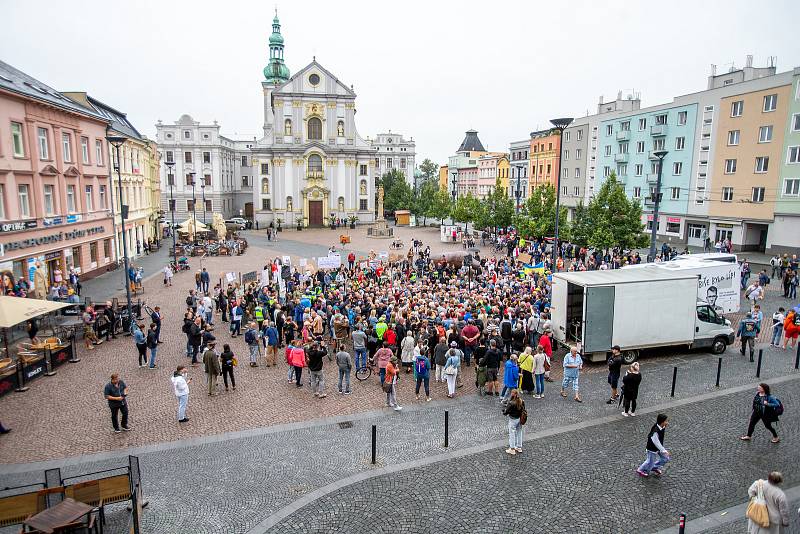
x=315, y=213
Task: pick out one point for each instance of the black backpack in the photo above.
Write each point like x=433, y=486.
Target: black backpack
x=189, y=301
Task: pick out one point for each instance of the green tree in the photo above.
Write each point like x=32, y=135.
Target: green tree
x=397, y=194
x=581, y=227
x=440, y=206
x=465, y=209
x=497, y=209
x=424, y=199
x=429, y=170
x=537, y=215
x=615, y=220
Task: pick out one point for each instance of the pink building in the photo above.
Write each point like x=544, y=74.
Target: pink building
x=54, y=187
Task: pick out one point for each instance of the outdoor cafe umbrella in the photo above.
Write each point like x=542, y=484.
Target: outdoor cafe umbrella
x=16, y=310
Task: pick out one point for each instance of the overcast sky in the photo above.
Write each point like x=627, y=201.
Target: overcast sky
x=429, y=70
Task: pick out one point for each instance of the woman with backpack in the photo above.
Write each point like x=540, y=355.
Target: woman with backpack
x=517, y=417
x=767, y=409
x=228, y=361
x=422, y=374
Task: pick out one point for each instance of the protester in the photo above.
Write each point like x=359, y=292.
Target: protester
x=630, y=389
x=747, y=332
x=510, y=378
x=314, y=361
x=212, y=368
x=451, y=368
x=140, y=341
x=251, y=339
x=180, y=385
x=390, y=385
x=514, y=410
x=572, y=368
x=422, y=368
x=345, y=364
x=116, y=393
x=538, y=371
x=228, y=362
x=525, y=362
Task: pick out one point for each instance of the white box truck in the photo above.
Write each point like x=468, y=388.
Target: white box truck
x=717, y=281
x=635, y=309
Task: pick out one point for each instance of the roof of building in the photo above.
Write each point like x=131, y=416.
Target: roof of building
x=542, y=133
x=16, y=81
x=119, y=121
x=622, y=276
x=471, y=143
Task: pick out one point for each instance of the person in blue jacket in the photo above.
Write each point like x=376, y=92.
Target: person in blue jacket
x=510, y=378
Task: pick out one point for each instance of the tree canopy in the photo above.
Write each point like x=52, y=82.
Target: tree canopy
x=611, y=219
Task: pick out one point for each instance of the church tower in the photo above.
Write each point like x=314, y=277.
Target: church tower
x=275, y=73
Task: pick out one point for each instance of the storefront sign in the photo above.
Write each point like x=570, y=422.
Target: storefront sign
x=53, y=255
x=73, y=219
x=17, y=226
x=54, y=238
x=52, y=221
x=62, y=355
x=34, y=370
x=724, y=226
x=674, y=219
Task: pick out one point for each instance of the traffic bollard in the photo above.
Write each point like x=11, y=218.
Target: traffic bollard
x=719, y=370
x=682, y=524
x=374, y=442
x=758, y=366
x=446, y=429
x=674, y=377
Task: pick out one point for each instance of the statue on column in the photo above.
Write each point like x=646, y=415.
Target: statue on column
x=380, y=202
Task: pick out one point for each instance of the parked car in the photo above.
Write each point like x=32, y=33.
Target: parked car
x=237, y=222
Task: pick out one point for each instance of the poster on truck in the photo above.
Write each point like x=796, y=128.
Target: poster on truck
x=719, y=287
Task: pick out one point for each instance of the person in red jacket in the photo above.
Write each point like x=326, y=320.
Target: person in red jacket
x=298, y=361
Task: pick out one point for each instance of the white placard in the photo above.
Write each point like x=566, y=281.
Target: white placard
x=287, y=260
x=230, y=277
x=329, y=262
x=383, y=255
x=303, y=262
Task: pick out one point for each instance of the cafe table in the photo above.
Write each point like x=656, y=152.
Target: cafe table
x=59, y=516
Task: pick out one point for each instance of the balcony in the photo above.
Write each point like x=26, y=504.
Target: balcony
x=652, y=177
x=315, y=175
x=658, y=130
x=623, y=135
x=621, y=158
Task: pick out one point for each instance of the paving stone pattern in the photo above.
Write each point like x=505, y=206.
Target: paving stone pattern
x=584, y=481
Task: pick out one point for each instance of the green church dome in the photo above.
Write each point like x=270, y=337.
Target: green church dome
x=276, y=70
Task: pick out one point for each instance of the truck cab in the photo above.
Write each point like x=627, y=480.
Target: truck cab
x=712, y=329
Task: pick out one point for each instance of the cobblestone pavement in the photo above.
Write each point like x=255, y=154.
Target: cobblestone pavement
x=583, y=481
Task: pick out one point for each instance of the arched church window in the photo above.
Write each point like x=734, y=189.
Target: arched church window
x=341, y=203
x=265, y=186
x=362, y=189
x=287, y=127
x=289, y=203
x=315, y=129
x=314, y=163
x=340, y=128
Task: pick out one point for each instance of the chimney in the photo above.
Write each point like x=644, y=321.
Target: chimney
x=601, y=99
x=713, y=70
x=619, y=95
x=749, y=62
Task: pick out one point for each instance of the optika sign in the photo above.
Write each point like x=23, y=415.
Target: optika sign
x=53, y=238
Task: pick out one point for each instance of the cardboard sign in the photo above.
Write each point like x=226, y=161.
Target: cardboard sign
x=525, y=258
x=230, y=277
x=252, y=276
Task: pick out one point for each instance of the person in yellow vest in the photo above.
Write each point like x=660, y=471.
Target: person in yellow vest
x=259, y=313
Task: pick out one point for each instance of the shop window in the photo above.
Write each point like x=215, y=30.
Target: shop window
x=93, y=252
x=107, y=248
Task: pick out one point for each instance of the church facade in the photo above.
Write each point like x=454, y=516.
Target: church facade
x=310, y=163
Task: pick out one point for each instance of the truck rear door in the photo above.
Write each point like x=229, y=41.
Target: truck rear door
x=599, y=317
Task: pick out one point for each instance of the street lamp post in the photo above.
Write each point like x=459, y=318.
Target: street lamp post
x=454, y=193
x=171, y=181
x=660, y=154
x=560, y=125
x=194, y=211
x=116, y=141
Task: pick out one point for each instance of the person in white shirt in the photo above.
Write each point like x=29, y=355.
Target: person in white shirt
x=180, y=385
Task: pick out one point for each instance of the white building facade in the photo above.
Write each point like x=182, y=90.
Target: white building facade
x=392, y=151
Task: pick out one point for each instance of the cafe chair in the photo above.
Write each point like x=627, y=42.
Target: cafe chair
x=53, y=341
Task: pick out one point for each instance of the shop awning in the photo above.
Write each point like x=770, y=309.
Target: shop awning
x=16, y=310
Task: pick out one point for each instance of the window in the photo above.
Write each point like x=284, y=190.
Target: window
x=106, y=248
x=730, y=166
x=102, y=197
x=737, y=108
x=637, y=192
x=314, y=163
x=190, y=205
x=189, y=179
x=661, y=119
x=362, y=169
x=680, y=143
x=44, y=149
x=565, y=190
x=675, y=193
x=700, y=194
x=793, y=155
x=187, y=134
x=682, y=116
x=727, y=194
x=566, y=136
x=606, y=171
x=85, y=150
x=762, y=164
x=758, y=194
x=566, y=154
x=765, y=134
x=577, y=172
x=579, y=137
x=694, y=231
x=623, y=148
x=622, y=170
x=2, y=201
x=402, y=163
x=677, y=168
x=791, y=187
x=642, y=125
x=206, y=157
x=48, y=200
x=66, y=147
x=733, y=137
x=770, y=103
x=170, y=156
x=187, y=157
x=637, y=169
x=578, y=153
x=71, y=199
x=389, y=164
x=565, y=173
x=314, y=129
x=24, y=200
x=796, y=121
x=640, y=147
x=609, y=129
x=608, y=150
x=673, y=227
x=265, y=168
x=93, y=252
x=362, y=204
x=577, y=192
x=266, y=203
x=244, y=161
x=17, y=142
x=625, y=126
x=209, y=206
x=89, y=198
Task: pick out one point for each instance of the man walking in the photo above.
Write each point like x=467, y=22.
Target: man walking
x=156, y=318
x=492, y=361
x=115, y=393
x=748, y=330
x=212, y=368
x=345, y=363
x=614, y=366
x=360, y=346
x=205, y=280
x=314, y=357
x=152, y=344
x=251, y=338
x=657, y=455
x=271, y=338
x=572, y=368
